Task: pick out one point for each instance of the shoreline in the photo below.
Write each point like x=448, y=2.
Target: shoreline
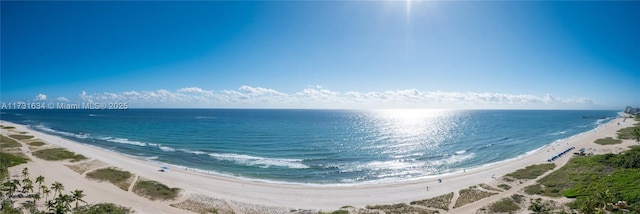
x=331, y=184
x=266, y=181
x=323, y=196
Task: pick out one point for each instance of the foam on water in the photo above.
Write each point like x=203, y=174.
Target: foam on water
x=68, y=134
x=122, y=140
x=260, y=161
x=192, y=151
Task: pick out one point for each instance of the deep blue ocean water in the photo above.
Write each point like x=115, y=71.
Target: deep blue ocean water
x=316, y=146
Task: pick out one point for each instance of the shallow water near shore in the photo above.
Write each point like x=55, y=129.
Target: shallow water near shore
x=317, y=146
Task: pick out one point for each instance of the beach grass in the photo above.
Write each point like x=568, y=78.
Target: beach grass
x=536, y=189
x=607, y=141
x=198, y=207
x=21, y=136
x=155, y=190
x=399, y=208
x=36, y=143
x=488, y=187
x=86, y=166
x=439, y=202
x=504, y=205
x=122, y=179
x=504, y=186
x=103, y=208
x=336, y=212
x=6, y=142
x=56, y=154
x=630, y=133
x=471, y=195
x=532, y=172
x=8, y=160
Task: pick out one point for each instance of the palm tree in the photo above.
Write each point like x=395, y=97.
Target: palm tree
x=77, y=196
x=25, y=172
x=63, y=203
x=50, y=205
x=27, y=188
x=57, y=187
x=8, y=187
x=26, y=181
x=46, y=192
x=36, y=197
x=40, y=180
x=13, y=186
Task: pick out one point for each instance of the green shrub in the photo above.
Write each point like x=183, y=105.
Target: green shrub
x=336, y=212
x=570, y=193
x=440, y=202
x=399, y=208
x=36, y=143
x=21, y=137
x=505, y=205
x=58, y=154
x=517, y=198
x=607, y=141
x=532, y=172
x=584, y=178
x=504, y=186
x=112, y=175
x=8, y=160
x=471, y=195
x=103, y=208
x=533, y=189
x=6, y=142
x=629, y=133
x=155, y=190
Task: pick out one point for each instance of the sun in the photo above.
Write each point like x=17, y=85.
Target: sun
x=408, y=7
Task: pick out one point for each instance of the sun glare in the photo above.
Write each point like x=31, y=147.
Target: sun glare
x=411, y=122
x=408, y=7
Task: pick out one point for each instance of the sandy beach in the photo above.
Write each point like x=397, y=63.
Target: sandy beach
x=282, y=197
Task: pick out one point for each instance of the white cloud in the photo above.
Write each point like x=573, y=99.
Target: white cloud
x=319, y=97
x=259, y=91
x=62, y=99
x=40, y=97
x=196, y=90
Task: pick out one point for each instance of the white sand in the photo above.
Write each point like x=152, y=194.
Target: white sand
x=289, y=195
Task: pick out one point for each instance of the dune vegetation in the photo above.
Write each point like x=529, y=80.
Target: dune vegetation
x=532, y=172
x=56, y=154
x=595, y=181
x=607, y=141
x=155, y=190
x=122, y=179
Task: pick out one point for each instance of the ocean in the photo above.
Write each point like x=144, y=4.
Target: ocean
x=316, y=146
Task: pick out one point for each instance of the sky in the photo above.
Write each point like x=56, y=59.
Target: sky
x=323, y=54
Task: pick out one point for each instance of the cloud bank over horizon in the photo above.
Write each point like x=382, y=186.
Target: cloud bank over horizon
x=322, y=98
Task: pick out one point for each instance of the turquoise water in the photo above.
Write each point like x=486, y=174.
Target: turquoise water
x=316, y=146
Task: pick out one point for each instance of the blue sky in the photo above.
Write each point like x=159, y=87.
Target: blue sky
x=378, y=54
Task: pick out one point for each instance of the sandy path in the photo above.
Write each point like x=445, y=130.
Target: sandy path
x=287, y=195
